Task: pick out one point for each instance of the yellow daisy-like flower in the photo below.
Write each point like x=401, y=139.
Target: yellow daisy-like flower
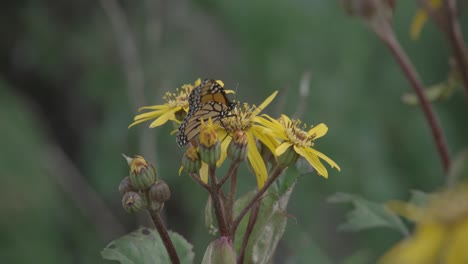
x=246, y=120
x=176, y=103
x=301, y=141
x=441, y=234
x=421, y=16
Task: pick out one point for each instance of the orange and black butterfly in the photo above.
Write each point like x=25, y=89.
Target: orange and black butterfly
x=207, y=100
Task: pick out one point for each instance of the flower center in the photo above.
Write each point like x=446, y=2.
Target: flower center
x=240, y=119
x=296, y=135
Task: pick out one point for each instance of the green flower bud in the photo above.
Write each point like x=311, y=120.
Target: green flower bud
x=126, y=186
x=210, y=149
x=191, y=161
x=133, y=202
x=220, y=251
x=288, y=158
x=237, y=149
x=142, y=174
x=159, y=192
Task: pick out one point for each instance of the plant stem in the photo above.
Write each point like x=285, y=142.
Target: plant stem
x=164, y=236
x=248, y=231
x=217, y=203
x=231, y=171
x=416, y=83
x=275, y=174
x=197, y=179
x=230, y=201
x=458, y=45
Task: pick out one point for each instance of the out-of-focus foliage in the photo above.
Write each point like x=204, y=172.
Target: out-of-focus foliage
x=63, y=83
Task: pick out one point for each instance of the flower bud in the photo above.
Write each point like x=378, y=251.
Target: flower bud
x=126, y=186
x=210, y=149
x=288, y=158
x=237, y=149
x=220, y=251
x=142, y=174
x=159, y=192
x=133, y=202
x=191, y=161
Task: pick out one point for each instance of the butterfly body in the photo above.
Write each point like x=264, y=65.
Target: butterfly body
x=208, y=100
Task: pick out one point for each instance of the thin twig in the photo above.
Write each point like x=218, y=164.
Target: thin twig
x=217, y=202
x=62, y=169
x=164, y=236
x=416, y=83
x=230, y=200
x=275, y=174
x=232, y=169
x=456, y=40
x=199, y=181
x=248, y=231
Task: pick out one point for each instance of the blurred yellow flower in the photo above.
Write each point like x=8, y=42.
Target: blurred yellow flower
x=292, y=136
x=420, y=17
x=176, y=103
x=441, y=234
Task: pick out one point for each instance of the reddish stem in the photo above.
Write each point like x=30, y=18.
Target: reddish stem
x=164, y=236
x=416, y=83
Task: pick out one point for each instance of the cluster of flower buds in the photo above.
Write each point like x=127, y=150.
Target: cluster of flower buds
x=142, y=189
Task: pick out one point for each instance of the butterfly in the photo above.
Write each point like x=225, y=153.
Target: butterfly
x=207, y=100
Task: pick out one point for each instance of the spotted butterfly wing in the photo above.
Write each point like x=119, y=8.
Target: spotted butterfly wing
x=208, y=100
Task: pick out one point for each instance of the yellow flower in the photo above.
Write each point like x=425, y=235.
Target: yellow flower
x=246, y=120
x=421, y=15
x=176, y=103
x=441, y=234
x=300, y=140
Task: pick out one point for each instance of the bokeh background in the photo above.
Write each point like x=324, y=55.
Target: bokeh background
x=73, y=73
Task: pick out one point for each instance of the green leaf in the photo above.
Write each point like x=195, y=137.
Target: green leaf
x=367, y=214
x=145, y=246
x=268, y=229
x=220, y=251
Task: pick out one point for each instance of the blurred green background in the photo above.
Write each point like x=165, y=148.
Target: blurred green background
x=73, y=73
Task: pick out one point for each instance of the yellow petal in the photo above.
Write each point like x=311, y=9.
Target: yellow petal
x=318, y=131
x=313, y=161
x=423, y=248
x=265, y=137
x=138, y=122
x=197, y=82
x=325, y=158
x=181, y=169
x=256, y=161
x=150, y=115
x=456, y=249
x=264, y=104
x=417, y=24
x=407, y=210
x=204, y=172
x=276, y=127
x=224, y=147
x=286, y=119
x=282, y=148
x=163, y=119
x=154, y=107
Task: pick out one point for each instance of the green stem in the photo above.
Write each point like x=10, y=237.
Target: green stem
x=275, y=174
x=248, y=231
